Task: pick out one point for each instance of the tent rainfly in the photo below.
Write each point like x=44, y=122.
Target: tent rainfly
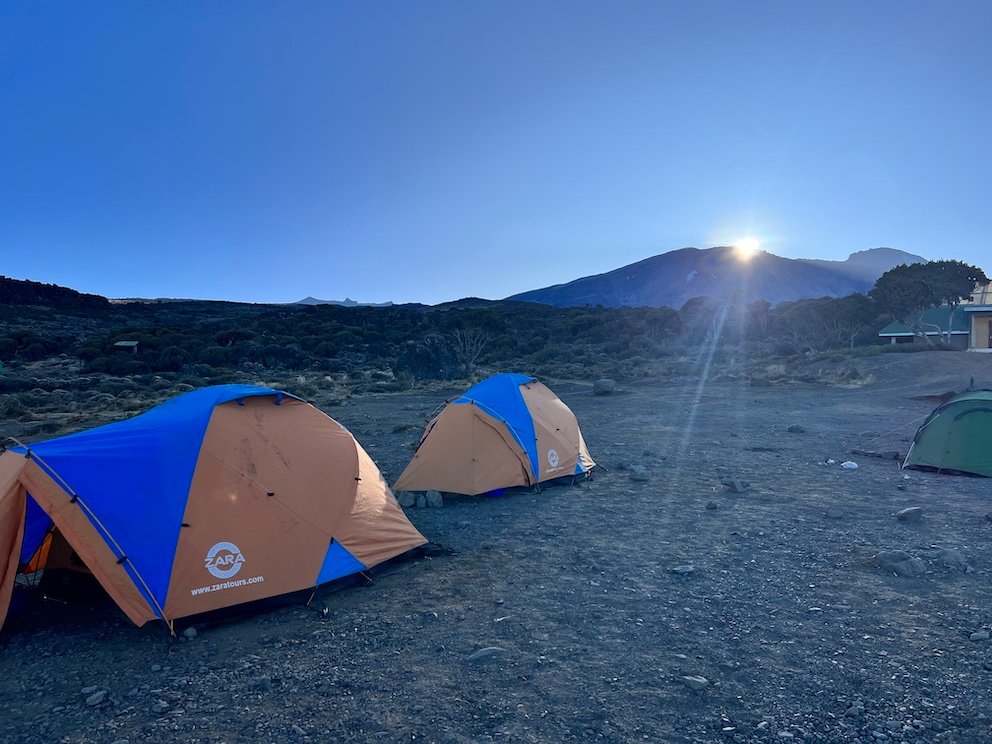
x=225, y=495
x=508, y=430
x=956, y=437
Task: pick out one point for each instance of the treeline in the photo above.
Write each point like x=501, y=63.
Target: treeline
x=25, y=292
x=214, y=341
x=415, y=342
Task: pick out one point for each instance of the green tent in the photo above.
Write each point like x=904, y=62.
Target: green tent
x=956, y=437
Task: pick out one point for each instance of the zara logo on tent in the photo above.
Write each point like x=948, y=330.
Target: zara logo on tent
x=224, y=560
x=553, y=458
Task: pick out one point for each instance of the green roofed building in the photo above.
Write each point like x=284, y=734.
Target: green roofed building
x=979, y=313
x=934, y=323
x=971, y=325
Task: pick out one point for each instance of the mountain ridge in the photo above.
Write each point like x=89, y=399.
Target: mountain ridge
x=670, y=279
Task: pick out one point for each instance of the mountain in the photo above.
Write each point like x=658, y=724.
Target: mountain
x=668, y=280
x=346, y=302
x=870, y=264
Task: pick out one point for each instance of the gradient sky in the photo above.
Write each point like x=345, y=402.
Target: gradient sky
x=425, y=151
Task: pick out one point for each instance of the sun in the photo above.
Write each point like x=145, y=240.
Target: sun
x=745, y=248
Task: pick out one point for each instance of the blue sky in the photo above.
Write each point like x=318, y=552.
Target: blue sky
x=424, y=151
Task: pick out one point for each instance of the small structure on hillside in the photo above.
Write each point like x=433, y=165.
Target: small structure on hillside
x=970, y=324
x=934, y=324
x=978, y=311
x=131, y=345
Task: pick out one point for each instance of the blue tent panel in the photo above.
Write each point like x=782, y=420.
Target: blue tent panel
x=338, y=562
x=500, y=397
x=135, y=475
x=36, y=526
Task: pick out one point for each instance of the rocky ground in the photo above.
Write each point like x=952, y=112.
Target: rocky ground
x=652, y=603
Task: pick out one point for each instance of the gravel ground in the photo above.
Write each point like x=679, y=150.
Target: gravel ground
x=659, y=607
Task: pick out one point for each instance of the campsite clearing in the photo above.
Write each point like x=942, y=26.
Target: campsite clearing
x=561, y=616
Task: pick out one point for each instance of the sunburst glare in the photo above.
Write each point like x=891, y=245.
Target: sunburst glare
x=745, y=248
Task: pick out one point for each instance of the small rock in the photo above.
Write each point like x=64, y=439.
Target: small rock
x=696, y=683
x=406, y=499
x=160, y=707
x=900, y=562
x=979, y=635
x=912, y=567
x=684, y=569
x=833, y=512
x=911, y=514
x=156, y=667
x=953, y=559
x=298, y=730
x=604, y=387
x=263, y=683
x=735, y=485
x=421, y=502
x=486, y=653
x=786, y=735
x=100, y=695
x=89, y=690
x=640, y=474
x=434, y=499
x=711, y=505
x=856, y=710
x=796, y=429
x=848, y=465
x=190, y=633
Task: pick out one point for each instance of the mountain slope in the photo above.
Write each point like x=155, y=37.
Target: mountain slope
x=672, y=278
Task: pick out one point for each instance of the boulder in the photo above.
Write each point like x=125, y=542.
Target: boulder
x=694, y=682
x=953, y=559
x=487, y=653
x=900, y=563
x=604, y=387
x=911, y=514
x=735, y=485
x=434, y=499
x=406, y=499
x=97, y=698
x=640, y=474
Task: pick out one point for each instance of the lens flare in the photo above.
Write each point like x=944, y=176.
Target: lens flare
x=745, y=248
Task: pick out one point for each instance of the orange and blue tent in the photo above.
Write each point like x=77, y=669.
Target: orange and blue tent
x=508, y=430
x=222, y=496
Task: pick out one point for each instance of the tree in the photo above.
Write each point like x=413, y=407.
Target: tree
x=468, y=343
x=907, y=291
